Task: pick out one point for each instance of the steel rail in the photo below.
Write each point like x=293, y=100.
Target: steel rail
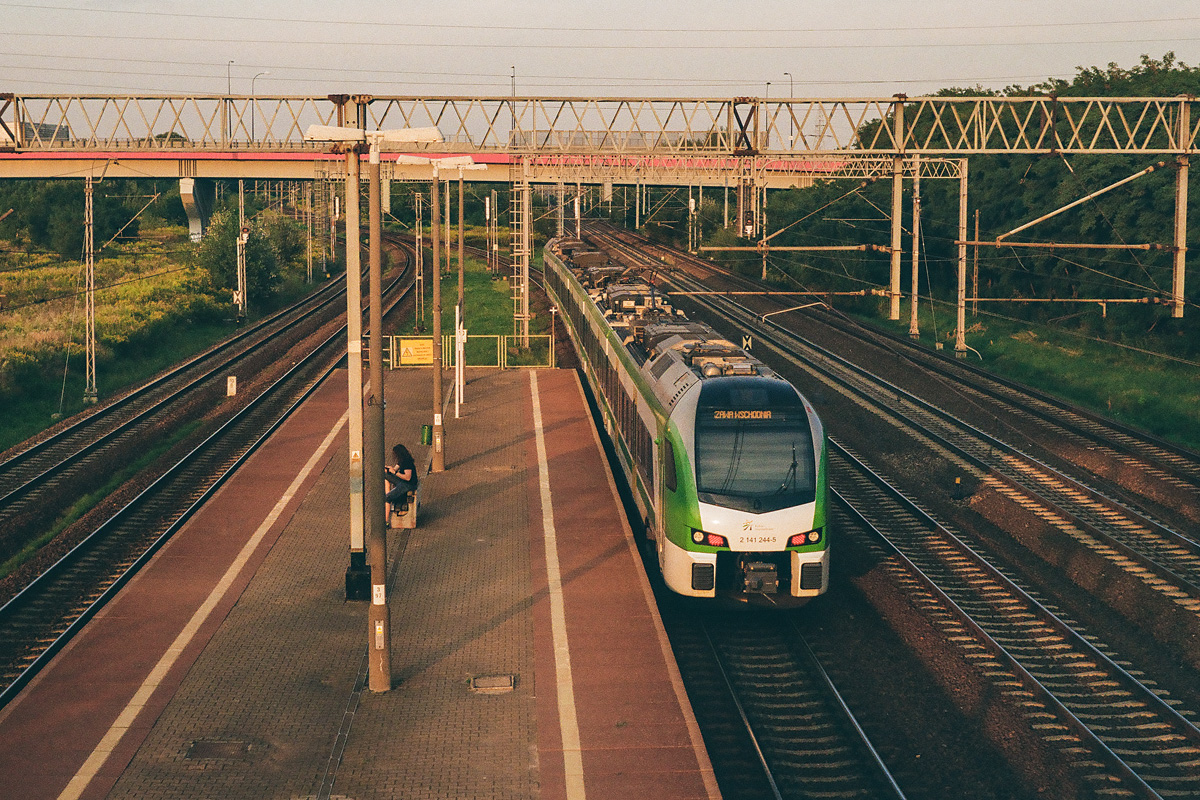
x=741, y=710
x=1177, y=560
x=110, y=584
x=772, y=671
x=154, y=383
x=208, y=365
x=46, y=582
x=1158, y=452
x=1141, y=694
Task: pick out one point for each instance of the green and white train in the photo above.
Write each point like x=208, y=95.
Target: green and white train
x=726, y=459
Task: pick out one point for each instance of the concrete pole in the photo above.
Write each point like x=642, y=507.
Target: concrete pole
x=460, y=311
x=90, y=393
x=913, y=329
x=308, y=218
x=379, y=623
x=960, y=335
x=357, y=576
x=439, y=443
x=897, y=252
x=418, y=226
x=1181, y=201
x=460, y=239
x=898, y=135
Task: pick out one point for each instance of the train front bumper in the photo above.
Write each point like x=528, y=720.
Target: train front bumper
x=774, y=576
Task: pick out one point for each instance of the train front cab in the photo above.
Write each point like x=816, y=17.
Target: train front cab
x=758, y=533
x=788, y=577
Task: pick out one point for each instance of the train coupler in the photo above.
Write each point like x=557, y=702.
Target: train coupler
x=760, y=577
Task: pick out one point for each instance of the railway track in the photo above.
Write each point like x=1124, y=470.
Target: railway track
x=1158, y=478
x=1118, y=731
x=78, y=458
x=1168, y=561
x=41, y=618
x=1108, y=726
x=772, y=713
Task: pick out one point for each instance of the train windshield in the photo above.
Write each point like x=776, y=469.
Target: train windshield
x=754, y=446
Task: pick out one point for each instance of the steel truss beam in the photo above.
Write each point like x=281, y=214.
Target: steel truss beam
x=931, y=126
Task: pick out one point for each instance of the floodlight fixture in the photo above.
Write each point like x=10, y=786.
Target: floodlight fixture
x=333, y=133
x=440, y=164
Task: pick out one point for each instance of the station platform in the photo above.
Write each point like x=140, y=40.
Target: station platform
x=528, y=660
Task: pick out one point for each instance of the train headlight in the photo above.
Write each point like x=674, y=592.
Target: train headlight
x=812, y=537
x=709, y=539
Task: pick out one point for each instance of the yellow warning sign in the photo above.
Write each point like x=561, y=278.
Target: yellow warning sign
x=416, y=352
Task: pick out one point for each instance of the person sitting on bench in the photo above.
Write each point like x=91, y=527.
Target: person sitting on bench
x=402, y=475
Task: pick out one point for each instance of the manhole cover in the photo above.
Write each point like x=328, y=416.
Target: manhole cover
x=493, y=684
x=219, y=748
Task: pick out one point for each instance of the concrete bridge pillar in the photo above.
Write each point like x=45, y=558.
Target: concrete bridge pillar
x=198, y=197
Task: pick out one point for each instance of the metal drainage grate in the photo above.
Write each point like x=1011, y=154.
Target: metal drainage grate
x=229, y=749
x=493, y=684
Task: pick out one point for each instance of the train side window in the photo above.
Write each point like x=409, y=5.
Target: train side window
x=669, y=478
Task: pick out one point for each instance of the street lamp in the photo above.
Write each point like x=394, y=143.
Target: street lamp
x=439, y=164
x=767, y=121
x=379, y=638
x=228, y=100
x=791, y=111
x=254, y=101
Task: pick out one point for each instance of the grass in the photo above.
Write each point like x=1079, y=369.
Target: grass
x=155, y=311
x=1155, y=393
x=488, y=304
x=85, y=503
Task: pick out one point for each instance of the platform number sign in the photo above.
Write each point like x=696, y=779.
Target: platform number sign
x=747, y=343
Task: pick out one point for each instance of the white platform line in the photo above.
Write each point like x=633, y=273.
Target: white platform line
x=707, y=774
x=123, y=722
x=568, y=722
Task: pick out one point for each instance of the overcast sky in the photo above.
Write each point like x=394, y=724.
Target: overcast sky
x=612, y=48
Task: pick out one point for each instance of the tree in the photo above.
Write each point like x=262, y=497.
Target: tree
x=217, y=254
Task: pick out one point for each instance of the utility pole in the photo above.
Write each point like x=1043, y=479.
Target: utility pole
x=308, y=218
x=420, y=272
x=975, y=281
x=357, y=576
x=239, y=296
x=960, y=336
x=913, y=329
x=897, y=207
x=1181, y=200
x=439, y=443
x=379, y=620
x=460, y=333
x=90, y=393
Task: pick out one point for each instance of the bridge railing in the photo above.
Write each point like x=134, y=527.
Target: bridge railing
x=938, y=126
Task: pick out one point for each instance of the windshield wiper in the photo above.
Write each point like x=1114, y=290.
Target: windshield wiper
x=789, y=479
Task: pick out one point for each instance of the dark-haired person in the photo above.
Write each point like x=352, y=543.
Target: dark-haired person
x=402, y=475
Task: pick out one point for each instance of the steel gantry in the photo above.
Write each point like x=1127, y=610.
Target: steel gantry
x=945, y=126
x=749, y=144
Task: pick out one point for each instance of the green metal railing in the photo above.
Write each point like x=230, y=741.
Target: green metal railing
x=500, y=352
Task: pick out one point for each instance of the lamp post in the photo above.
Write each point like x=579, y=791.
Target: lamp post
x=228, y=100
x=767, y=121
x=254, y=101
x=791, y=113
x=352, y=140
x=464, y=162
x=460, y=315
